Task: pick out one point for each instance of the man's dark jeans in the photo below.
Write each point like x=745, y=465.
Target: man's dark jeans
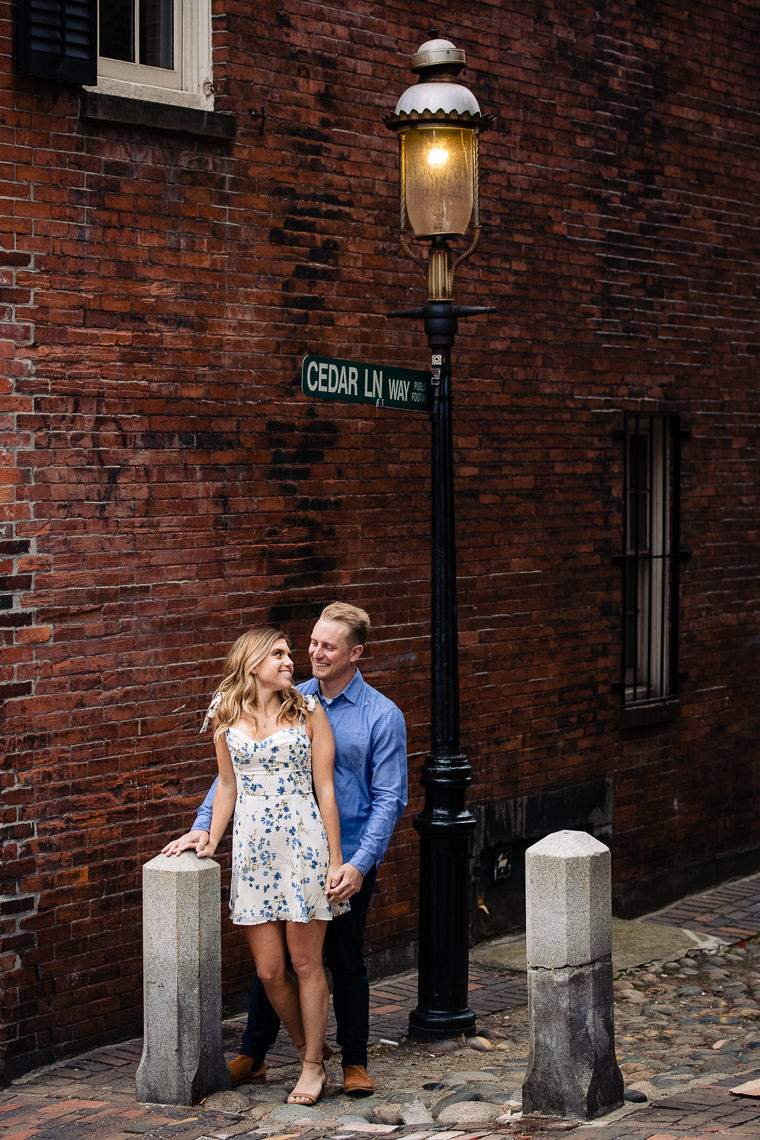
x=344, y=955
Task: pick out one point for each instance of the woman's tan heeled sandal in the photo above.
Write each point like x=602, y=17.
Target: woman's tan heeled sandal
x=305, y=1098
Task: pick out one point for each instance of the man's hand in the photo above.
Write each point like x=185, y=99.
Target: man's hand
x=344, y=883
x=207, y=847
x=191, y=839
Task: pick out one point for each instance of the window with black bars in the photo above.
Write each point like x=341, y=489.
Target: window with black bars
x=650, y=558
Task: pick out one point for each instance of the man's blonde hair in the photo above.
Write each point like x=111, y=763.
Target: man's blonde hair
x=355, y=619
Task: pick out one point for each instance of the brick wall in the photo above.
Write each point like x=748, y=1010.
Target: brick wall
x=166, y=484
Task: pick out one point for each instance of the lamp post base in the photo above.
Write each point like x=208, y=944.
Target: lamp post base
x=435, y=1025
x=445, y=828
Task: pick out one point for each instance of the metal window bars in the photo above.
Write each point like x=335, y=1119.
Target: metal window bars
x=650, y=557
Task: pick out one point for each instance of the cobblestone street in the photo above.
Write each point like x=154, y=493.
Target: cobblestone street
x=687, y=1032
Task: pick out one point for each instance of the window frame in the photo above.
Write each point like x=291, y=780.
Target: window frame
x=650, y=559
x=189, y=84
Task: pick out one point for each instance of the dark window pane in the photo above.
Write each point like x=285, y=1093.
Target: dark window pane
x=630, y=615
x=638, y=491
x=157, y=33
x=117, y=29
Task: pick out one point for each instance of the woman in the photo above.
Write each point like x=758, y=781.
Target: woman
x=275, y=750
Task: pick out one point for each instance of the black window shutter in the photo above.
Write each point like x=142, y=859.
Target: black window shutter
x=57, y=39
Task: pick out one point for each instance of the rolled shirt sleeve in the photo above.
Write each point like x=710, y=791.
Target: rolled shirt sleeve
x=203, y=818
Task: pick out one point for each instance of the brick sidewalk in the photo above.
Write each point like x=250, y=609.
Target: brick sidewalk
x=92, y=1097
x=731, y=911
x=700, y=1114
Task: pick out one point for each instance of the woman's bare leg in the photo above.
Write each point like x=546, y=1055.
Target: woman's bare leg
x=267, y=943
x=305, y=940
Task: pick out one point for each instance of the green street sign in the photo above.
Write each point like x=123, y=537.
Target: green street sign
x=382, y=385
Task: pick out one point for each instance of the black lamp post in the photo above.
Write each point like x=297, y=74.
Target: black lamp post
x=438, y=122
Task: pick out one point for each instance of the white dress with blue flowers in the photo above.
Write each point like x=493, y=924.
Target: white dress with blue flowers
x=279, y=845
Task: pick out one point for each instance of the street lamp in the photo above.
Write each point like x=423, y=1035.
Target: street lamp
x=438, y=122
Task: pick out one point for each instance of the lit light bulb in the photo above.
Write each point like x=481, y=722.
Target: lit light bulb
x=437, y=156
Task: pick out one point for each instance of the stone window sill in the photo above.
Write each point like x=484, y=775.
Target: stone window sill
x=159, y=116
x=650, y=713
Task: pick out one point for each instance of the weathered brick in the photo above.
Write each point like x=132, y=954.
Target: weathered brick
x=169, y=484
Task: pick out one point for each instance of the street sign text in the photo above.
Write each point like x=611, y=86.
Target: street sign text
x=384, y=386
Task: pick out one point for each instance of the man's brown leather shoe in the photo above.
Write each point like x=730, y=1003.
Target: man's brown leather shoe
x=247, y=1071
x=357, y=1081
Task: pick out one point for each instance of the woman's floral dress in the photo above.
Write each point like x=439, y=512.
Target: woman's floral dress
x=279, y=845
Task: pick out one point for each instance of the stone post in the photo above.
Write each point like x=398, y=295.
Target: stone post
x=182, y=1059
x=572, y=1069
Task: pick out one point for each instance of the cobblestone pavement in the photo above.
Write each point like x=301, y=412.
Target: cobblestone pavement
x=687, y=1033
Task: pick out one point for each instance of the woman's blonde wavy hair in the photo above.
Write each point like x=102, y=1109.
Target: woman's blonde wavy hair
x=237, y=689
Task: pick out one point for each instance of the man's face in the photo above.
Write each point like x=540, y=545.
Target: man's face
x=333, y=657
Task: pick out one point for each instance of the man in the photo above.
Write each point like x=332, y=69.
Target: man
x=371, y=790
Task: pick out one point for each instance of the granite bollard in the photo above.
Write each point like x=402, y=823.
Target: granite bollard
x=572, y=1068
x=182, y=1060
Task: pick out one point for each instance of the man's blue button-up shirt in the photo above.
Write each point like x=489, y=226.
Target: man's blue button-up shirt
x=370, y=770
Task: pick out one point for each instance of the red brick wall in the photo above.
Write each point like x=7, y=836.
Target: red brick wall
x=165, y=482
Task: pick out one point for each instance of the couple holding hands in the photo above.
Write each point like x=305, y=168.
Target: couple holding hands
x=316, y=778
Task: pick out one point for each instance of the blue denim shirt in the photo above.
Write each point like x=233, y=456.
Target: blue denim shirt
x=370, y=770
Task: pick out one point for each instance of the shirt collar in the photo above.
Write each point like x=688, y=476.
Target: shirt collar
x=351, y=691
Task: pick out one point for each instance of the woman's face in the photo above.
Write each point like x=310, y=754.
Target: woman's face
x=275, y=672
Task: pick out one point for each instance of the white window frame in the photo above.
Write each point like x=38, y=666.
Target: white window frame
x=189, y=84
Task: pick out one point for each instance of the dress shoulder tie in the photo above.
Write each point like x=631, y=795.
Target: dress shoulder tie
x=210, y=711
x=311, y=704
